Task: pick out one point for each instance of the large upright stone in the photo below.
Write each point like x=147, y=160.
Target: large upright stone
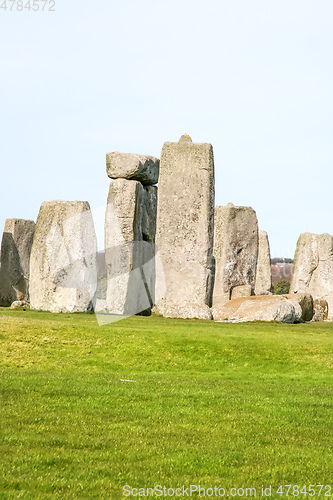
x=144, y=169
x=263, y=275
x=130, y=225
x=313, y=267
x=185, y=227
x=15, y=260
x=63, y=264
x=235, y=250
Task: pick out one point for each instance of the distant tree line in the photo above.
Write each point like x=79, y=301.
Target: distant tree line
x=283, y=260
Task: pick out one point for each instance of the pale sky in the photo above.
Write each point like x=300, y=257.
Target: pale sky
x=252, y=77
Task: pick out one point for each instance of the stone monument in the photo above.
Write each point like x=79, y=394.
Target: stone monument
x=313, y=267
x=185, y=228
x=235, y=250
x=263, y=275
x=130, y=227
x=15, y=260
x=63, y=264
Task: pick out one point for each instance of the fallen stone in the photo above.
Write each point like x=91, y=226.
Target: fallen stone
x=63, y=265
x=241, y=291
x=144, y=169
x=263, y=282
x=185, y=225
x=235, y=250
x=313, y=267
x=258, y=308
x=19, y=303
x=305, y=301
x=15, y=260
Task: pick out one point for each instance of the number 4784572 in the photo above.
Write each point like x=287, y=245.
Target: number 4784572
x=30, y=5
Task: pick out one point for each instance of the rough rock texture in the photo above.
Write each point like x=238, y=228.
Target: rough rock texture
x=241, y=291
x=185, y=311
x=258, y=308
x=130, y=225
x=149, y=213
x=235, y=250
x=15, y=260
x=320, y=307
x=185, y=226
x=263, y=275
x=318, y=316
x=211, y=281
x=305, y=301
x=19, y=303
x=133, y=167
x=63, y=264
x=313, y=267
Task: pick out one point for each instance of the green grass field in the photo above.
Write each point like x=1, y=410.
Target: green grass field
x=227, y=405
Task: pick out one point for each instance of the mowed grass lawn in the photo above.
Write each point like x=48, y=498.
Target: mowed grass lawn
x=231, y=405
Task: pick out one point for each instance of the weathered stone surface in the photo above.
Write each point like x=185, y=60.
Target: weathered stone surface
x=235, y=250
x=305, y=301
x=101, y=306
x=313, y=267
x=129, y=247
x=15, y=260
x=185, y=222
x=63, y=265
x=211, y=281
x=263, y=275
x=132, y=167
x=241, y=291
x=320, y=307
x=258, y=308
x=149, y=213
x=186, y=311
x=19, y=303
x=318, y=316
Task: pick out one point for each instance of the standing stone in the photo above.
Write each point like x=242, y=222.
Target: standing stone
x=130, y=226
x=63, y=265
x=263, y=275
x=235, y=250
x=15, y=260
x=185, y=227
x=132, y=167
x=313, y=267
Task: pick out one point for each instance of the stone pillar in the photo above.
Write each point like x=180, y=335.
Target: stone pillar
x=313, y=267
x=130, y=227
x=263, y=277
x=235, y=250
x=15, y=260
x=63, y=264
x=185, y=228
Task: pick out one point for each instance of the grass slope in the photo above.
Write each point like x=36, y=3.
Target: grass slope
x=211, y=404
